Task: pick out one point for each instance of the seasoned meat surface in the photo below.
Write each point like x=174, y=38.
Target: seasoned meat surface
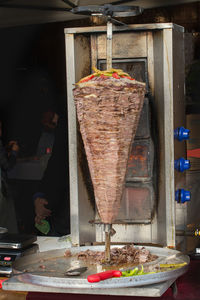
x=108, y=111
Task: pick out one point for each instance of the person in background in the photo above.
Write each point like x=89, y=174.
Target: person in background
x=8, y=157
x=45, y=145
x=52, y=198
x=49, y=122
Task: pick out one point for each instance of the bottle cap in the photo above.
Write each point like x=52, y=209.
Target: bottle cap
x=182, y=196
x=181, y=164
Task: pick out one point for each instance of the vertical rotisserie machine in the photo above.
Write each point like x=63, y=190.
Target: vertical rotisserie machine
x=152, y=53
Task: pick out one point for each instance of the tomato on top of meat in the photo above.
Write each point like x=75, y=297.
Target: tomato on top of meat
x=115, y=73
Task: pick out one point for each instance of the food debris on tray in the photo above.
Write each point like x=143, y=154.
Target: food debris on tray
x=128, y=254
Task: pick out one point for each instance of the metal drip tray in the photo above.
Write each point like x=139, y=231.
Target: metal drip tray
x=48, y=268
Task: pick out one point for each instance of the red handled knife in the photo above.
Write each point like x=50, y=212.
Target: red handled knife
x=104, y=275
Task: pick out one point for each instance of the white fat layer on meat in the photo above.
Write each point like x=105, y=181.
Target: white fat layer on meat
x=91, y=95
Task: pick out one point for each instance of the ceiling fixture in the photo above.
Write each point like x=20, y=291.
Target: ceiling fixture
x=113, y=9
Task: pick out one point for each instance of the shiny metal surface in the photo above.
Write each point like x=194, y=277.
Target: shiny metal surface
x=16, y=241
x=3, y=231
x=48, y=268
x=109, y=45
x=107, y=229
x=75, y=271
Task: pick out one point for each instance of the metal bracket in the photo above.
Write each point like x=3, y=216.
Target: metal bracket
x=174, y=289
x=107, y=10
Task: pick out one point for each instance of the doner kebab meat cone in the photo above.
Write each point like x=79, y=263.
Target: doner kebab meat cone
x=108, y=108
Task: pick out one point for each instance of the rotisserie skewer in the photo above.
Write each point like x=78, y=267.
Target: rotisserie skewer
x=107, y=227
x=107, y=230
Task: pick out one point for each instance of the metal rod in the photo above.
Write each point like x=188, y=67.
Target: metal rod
x=109, y=45
x=185, y=233
x=107, y=246
x=72, y=5
x=107, y=229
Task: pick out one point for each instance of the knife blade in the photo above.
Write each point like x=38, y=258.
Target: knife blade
x=75, y=271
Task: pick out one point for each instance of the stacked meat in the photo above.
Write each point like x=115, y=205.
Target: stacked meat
x=108, y=110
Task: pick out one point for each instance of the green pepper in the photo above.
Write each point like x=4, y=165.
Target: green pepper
x=141, y=272
x=108, y=74
x=173, y=265
x=130, y=272
x=135, y=272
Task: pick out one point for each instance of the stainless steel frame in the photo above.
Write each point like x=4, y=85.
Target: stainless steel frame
x=163, y=47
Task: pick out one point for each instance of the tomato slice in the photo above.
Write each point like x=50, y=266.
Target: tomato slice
x=115, y=75
x=87, y=78
x=128, y=77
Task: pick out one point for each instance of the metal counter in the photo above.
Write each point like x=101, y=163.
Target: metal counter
x=154, y=290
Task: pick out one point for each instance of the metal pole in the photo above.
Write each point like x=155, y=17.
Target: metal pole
x=107, y=229
x=109, y=44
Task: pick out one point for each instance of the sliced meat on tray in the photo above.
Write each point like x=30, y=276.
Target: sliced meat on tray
x=119, y=256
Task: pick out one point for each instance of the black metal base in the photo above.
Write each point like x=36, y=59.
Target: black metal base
x=16, y=241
